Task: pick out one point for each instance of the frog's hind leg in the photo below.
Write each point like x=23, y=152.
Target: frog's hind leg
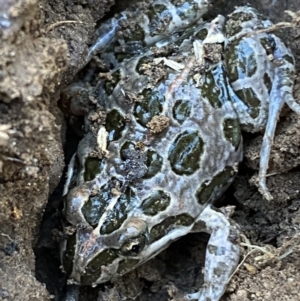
x=281, y=92
x=222, y=253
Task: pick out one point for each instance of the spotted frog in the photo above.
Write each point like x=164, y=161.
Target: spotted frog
x=166, y=144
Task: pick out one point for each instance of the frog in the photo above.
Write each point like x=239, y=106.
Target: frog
x=168, y=146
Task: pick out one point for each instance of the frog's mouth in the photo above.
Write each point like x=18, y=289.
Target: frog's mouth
x=98, y=259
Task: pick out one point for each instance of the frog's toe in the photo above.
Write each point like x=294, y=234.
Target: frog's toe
x=207, y=293
x=263, y=189
x=194, y=296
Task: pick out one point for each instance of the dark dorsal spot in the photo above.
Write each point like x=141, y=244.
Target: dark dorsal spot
x=185, y=153
x=289, y=59
x=119, y=213
x=114, y=124
x=126, y=265
x=94, y=268
x=241, y=60
x=96, y=205
x=168, y=224
x=150, y=106
x=154, y=163
x=92, y=167
x=269, y=44
x=268, y=82
x=232, y=131
x=248, y=96
x=211, y=191
x=158, y=201
x=201, y=34
x=215, y=87
x=210, y=90
x=182, y=110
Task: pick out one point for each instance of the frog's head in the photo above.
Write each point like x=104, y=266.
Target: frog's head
x=110, y=241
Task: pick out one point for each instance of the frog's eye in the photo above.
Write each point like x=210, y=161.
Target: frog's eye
x=133, y=246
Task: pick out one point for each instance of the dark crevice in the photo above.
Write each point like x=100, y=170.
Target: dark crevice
x=47, y=251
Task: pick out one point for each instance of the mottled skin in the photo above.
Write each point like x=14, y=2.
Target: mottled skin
x=261, y=71
x=150, y=185
x=198, y=154
x=144, y=25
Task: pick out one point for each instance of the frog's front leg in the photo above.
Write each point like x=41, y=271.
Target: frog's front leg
x=222, y=253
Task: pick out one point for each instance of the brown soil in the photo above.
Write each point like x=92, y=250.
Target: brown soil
x=42, y=46
x=39, y=50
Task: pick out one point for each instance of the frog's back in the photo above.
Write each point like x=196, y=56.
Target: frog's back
x=188, y=140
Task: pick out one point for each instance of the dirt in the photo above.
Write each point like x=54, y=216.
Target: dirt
x=37, y=57
x=42, y=46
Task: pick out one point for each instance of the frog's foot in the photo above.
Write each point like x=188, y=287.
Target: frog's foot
x=263, y=189
x=222, y=254
x=281, y=93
